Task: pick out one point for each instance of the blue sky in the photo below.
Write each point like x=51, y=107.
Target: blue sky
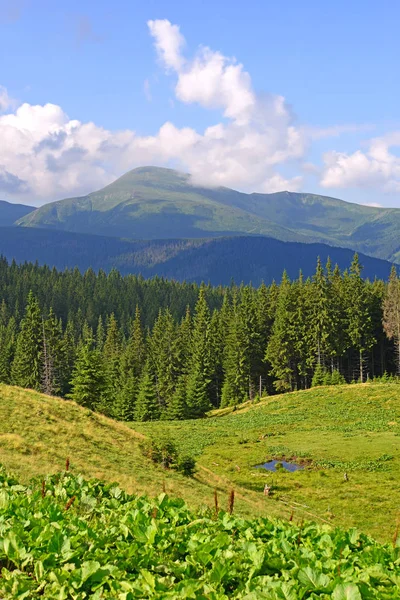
x=258, y=96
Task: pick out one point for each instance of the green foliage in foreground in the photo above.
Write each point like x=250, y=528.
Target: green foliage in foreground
x=71, y=538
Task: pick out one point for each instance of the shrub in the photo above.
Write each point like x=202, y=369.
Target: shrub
x=186, y=465
x=163, y=452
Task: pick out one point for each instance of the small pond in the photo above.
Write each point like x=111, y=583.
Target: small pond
x=288, y=466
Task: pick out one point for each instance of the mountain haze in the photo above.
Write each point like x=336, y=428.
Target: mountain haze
x=9, y=213
x=216, y=260
x=156, y=203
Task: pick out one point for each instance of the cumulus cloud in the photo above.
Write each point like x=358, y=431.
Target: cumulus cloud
x=50, y=156
x=169, y=42
x=259, y=133
x=377, y=167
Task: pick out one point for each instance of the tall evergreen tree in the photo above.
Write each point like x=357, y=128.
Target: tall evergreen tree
x=200, y=371
x=88, y=381
x=177, y=407
x=27, y=365
x=391, y=313
x=52, y=355
x=147, y=407
x=280, y=351
x=359, y=316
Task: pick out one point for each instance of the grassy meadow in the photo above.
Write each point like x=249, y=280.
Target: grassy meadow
x=329, y=430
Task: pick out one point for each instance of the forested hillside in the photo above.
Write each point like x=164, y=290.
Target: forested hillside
x=149, y=349
x=244, y=259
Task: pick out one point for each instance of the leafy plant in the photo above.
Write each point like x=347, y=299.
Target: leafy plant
x=109, y=544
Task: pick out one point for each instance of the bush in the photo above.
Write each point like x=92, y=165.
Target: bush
x=163, y=452
x=186, y=465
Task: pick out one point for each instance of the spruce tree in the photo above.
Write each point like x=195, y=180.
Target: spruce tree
x=177, y=407
x=7, y=343
x=147, y=407
x=134, y=355
x=125, y=402
x=200, y=371
x=164, y=355
x=359, y=315
x=391, y=313
x=68, y=355
x=88, y=381
x=27, y=365
x=111, y=366
x=280, y=350
x=237, y=359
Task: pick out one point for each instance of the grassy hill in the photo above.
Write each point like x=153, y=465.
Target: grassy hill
x=154, y=203
x=330, y=431
x=9, y=213
x=218, y=260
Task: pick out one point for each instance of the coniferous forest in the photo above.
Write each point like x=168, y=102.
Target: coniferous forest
x=138, y=349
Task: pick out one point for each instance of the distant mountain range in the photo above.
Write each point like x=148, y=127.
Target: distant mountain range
x=155, y=203
x=9, y=213
x=217, y=260
x=153, y=221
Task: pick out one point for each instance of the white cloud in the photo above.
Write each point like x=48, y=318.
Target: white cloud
x=169, y=42
x=259, y=134
x=378, y=167
x=48, y=156
x=5, y=100
x=44, y=155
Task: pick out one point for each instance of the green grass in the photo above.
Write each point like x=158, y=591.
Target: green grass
x=353, y=429
x=347, y=429
x=38, y=433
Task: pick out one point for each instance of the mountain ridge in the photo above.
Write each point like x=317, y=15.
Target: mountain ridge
x=215, y=260
x=10, y=213
x=159, y=203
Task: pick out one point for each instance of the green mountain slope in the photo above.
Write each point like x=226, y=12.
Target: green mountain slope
x=151, y=203
x=9, y=213
x=217, y=260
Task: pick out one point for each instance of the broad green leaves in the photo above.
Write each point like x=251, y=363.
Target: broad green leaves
x=112, y=545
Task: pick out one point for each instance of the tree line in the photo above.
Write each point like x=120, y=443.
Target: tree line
x=139, y=349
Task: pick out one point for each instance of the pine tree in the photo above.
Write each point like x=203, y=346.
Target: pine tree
x=52, y=355
x=280, y=350
x=197, y=394
x=237, y=359
x=68, y=355
x=200, y=371
x=318, y=377
x=124, y=406
x=7, y=343
x=88, y=380
x=391, y=313
x=177, y=407
x=111, y=366
x=134, y=355
x=321, y=320
x=359, y=316
x=147, y=407
x=27, y=365
x=164, y=355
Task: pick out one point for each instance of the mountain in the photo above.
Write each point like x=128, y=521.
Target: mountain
x=156, y=203
x=217, y=260
x=9, y=213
